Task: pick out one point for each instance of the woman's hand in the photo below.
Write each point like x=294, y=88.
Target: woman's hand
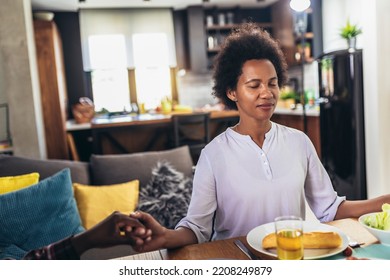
x=161, y=236
x=158, y=238
x=116, y=229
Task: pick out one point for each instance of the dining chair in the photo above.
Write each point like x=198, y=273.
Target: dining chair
x=191, y=130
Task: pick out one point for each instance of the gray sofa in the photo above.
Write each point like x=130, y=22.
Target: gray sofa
x=102, y=170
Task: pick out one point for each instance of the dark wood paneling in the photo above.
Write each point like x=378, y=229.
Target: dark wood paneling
x=53, y=88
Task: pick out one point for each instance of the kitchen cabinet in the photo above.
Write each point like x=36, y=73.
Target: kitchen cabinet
x=219, y=22
x=53, y=87
x=208, y=27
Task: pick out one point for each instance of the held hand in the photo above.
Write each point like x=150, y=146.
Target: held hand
x=158, y=237
x=116, y=229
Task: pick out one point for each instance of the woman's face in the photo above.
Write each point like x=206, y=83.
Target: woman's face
x=257, y=90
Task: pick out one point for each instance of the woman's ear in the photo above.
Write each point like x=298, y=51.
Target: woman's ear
x=231, y=94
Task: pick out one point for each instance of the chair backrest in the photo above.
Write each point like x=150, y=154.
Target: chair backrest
x=191, y=130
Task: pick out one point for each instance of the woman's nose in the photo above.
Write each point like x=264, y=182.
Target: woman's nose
x=266, y=93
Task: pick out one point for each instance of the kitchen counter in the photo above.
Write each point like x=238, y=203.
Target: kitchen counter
x=128, y=134
x=71, y=124
x=313, y=112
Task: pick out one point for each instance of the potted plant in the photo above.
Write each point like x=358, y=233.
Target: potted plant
x=287, y=98
x=350, y=32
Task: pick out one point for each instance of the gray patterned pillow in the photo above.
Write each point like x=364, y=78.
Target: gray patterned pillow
x=167, y=195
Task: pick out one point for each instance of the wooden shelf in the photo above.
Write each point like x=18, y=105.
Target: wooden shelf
x=308, y=35
x=216, y=33
x=228, y=27
x=220, y=27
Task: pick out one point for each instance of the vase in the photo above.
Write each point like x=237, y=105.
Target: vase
x=351, y=44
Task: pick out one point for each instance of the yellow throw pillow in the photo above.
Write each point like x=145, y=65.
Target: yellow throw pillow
x=95, y=203
x=14, y=183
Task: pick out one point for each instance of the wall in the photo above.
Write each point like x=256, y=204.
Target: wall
x=195, y=89
x=373, y=17
x=19, y=78
x=377, y=99
x=339, y=11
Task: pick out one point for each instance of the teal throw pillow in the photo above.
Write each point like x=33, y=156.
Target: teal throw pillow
x=38, y=215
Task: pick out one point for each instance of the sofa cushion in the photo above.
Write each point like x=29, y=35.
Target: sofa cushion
x=14, y=183
x=38, y=215
x=14, y=165
x=167, y=196
x=128, y=167
x=95, y=203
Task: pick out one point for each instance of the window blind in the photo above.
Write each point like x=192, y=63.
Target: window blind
x=126, y=22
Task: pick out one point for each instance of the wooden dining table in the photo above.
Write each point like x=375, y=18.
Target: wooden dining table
x=226, y=249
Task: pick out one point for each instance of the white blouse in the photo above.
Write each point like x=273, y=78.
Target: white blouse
x=238, y=185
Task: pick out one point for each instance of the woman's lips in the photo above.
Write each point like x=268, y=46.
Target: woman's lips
x=266, y=105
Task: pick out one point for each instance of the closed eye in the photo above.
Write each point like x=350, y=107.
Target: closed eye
x=253, y=85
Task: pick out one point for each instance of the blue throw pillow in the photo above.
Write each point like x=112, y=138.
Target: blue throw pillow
x=38, y=215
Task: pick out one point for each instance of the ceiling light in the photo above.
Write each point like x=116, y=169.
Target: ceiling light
x=299, y=5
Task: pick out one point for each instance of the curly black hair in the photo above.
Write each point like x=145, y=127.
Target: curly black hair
x=248, y=41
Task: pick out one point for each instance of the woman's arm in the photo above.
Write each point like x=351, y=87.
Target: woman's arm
x=356, y=208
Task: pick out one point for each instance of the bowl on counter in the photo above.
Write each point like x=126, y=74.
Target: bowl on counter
x=46, y=16
x=382, y=235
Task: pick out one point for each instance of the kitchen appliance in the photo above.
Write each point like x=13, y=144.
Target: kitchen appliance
x=342, y=121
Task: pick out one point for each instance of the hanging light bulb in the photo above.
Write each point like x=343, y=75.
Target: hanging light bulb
x=299, y=5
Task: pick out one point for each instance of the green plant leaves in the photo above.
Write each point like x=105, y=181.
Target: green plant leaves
x=350, y=30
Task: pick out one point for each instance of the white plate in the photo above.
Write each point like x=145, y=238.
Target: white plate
x=256, y=235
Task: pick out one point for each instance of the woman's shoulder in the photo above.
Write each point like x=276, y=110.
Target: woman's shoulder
x=220, y=142
x=290, y=132
x=220, y=138
x=280, y=128
x=294, y=136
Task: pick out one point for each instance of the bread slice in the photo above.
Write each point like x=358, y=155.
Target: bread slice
x=311, y=240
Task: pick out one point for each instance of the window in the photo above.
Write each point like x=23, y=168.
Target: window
x=152, y=72
x=109, y=72
x=130, y=54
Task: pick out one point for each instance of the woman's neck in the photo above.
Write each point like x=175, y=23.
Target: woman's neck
x=256, y=130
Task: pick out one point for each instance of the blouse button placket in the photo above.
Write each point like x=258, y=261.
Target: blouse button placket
x=266, y=166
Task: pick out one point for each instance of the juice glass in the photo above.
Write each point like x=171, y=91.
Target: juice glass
x=289, y=237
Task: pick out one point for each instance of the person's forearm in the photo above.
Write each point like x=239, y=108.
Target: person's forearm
x=81, y=243
x=356, y=208
x=179, y=237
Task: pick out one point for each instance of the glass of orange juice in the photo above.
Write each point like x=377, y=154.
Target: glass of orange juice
x=289, y=237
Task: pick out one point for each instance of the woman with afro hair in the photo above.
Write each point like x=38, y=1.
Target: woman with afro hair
x=256, y=170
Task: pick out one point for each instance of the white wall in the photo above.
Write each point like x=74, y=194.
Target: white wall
x=334, y=15
x=373, y=17
x=377, y=98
